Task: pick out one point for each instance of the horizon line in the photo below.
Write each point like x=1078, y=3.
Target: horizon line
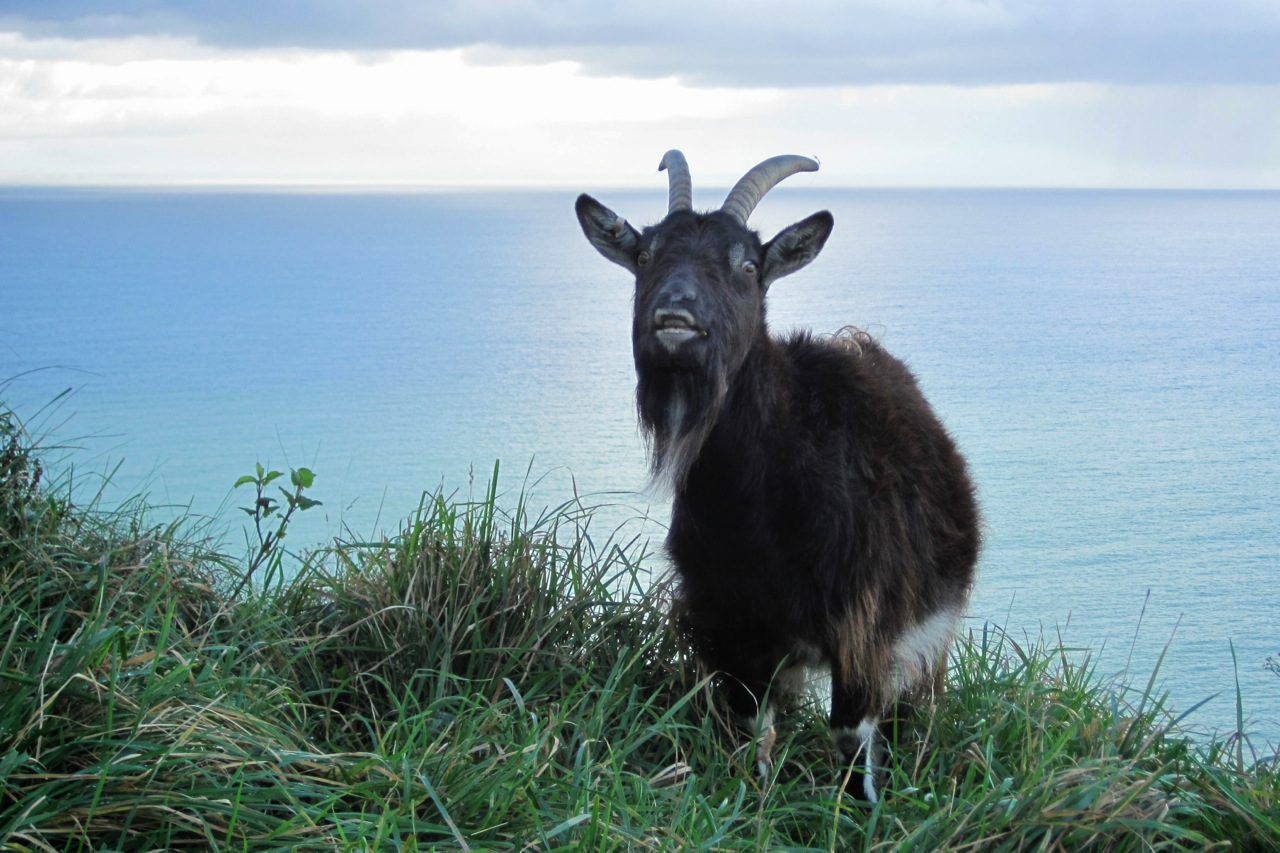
x=409, y=187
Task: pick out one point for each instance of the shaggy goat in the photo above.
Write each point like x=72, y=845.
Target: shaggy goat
x=822, y=515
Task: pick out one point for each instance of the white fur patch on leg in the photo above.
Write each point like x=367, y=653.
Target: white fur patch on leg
x=764, y=752
x=867, y=731
x=766, y=735
x=861, y=742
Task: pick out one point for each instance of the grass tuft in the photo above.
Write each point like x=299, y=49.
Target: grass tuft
x=490, y=680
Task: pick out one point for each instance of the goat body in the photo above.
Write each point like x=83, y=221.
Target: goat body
x=822, y=516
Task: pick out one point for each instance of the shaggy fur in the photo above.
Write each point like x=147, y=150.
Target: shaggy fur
x=822, y=516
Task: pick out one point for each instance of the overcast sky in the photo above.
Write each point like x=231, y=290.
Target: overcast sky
x=585, y=93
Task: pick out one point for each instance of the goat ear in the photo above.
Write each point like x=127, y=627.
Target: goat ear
x=796, y=245
x=612, y=235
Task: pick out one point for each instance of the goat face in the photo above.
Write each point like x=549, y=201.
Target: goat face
x=701, y=280
x=699, y=300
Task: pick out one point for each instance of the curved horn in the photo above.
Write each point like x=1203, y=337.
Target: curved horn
x=746, y=193
x=680, y=195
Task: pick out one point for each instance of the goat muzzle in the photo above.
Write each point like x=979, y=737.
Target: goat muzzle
x=675, y=327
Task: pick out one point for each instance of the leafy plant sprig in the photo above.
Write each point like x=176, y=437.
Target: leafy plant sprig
x=266, y=507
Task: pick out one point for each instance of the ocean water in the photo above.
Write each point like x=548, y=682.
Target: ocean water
x=1109, y=362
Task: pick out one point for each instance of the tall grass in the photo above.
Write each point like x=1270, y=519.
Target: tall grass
x=490, y=680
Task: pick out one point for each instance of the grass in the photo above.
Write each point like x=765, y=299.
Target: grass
x=491, y=681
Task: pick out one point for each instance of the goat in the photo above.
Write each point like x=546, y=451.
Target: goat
x=822, y=516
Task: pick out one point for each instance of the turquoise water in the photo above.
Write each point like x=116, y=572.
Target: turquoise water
x=1107, y=360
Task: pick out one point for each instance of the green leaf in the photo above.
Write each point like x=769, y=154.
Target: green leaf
x=302, y=477
x=245, y=480
x=273, y=475
x=307, y=503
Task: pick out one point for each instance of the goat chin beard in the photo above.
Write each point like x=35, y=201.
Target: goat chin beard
x=679, y=434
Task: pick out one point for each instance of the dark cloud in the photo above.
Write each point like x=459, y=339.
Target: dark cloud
x=744, y=43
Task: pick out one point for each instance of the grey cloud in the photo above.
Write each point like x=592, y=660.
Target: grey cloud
x=963, y=42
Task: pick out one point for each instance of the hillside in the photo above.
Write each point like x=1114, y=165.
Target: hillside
x=506, y=680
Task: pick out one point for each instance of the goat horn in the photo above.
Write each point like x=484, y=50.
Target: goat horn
x=680, y=195
x=746, y=193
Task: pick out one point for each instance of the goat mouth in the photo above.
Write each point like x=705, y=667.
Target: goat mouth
x=674, y=328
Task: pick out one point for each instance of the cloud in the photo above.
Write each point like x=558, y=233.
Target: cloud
x=143, y=109
x=57, y=82
x=146, y=111
x=746, y=43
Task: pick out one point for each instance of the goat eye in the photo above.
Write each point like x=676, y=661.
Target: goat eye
x=749, y=267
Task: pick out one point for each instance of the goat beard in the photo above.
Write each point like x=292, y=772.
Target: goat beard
x=678, y=408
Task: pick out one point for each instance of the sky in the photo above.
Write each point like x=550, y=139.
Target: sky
x=590, y=93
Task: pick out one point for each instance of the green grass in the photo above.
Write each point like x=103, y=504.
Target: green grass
x=493, y=681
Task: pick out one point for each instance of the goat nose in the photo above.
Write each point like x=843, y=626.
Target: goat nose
x=678, y=291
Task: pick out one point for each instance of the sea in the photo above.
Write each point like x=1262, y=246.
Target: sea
x=1108, y=361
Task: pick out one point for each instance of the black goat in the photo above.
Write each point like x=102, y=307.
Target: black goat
x=822, y=515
